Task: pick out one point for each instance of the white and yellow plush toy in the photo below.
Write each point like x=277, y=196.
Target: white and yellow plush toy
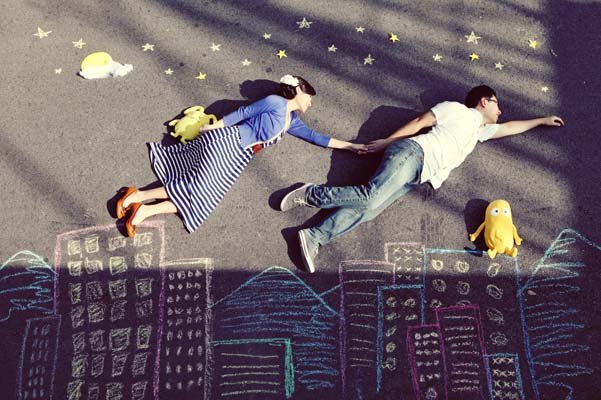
x=100, y=65
x=499, y=230
x=187, y=128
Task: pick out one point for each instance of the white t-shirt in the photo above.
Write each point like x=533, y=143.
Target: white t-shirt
x=451, y=140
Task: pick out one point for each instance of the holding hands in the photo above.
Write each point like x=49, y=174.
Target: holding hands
x=376, y=146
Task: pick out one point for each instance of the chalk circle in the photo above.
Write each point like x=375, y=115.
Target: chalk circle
x=493, y=270
x=392, y=316
x=495, y=316
x=463, y=303
x=391, y=331
x=389, y=364
x=435, y=303
x=437, y=265
x=391, y=302
x=462, y=266
x=439, y=285
x=498, y=339
x=494, y=291
x=410, y=302
x=463, y=288
x=431, y=394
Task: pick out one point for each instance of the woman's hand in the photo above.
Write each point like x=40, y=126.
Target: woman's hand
x=358, y=148
x=375, y=146
x=205, y=128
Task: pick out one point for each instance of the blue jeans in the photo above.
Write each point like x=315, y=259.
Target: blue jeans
x=399, y=170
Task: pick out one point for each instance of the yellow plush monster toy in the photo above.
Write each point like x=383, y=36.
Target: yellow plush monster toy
x=187, y=127
x=499, y=230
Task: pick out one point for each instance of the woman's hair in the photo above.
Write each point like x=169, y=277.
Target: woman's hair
x=476, y=93
x=288, y=91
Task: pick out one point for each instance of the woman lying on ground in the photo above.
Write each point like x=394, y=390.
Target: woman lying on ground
x=196, y=176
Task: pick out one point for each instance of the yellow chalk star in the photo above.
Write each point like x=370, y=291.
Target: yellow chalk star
x=532, y=43
x=281, y=54
x=474, y=57
x=437, y=57
x=266, y=36
x=79, y=44
x=41, y=33
x=545, y=89
x=393, y=37
x=58, y=70
x=360, y=29
x=472, y=38
x=499, y=66
x=201, y=76
x=215, y=47
x=246, y=62
x=168, y=71
x=148, y=46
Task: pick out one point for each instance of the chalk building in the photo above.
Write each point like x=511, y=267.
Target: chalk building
x=274, y=307
x=37, y=364
x=185, y=330
x=359, y=282
x=109, y=297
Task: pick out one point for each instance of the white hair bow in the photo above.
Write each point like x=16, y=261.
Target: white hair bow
x=289, y=80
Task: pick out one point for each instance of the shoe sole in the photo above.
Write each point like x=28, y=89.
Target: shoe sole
x=303, y=242
x=306, y=185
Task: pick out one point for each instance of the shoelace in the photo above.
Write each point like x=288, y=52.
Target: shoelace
x=299, y=201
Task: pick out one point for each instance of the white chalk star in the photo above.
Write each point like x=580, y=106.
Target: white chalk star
x=304, y=24
x=437, y=57
x=472, y=38
x=58, y=70
x=215, y=47
x=332, y=49
x=266, y=36
x=79, y=44
x=41, y=33
x=545, y=89
x=148, y=46
x=168, y=71
x=368, y=60
x=246, y=62
x=499, y=66
x=360, y=29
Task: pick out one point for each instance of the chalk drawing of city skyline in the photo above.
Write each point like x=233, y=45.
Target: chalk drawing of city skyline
x=421, y=323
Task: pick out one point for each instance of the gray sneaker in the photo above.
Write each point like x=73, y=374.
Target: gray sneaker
x=308, y=250
x=295, y=198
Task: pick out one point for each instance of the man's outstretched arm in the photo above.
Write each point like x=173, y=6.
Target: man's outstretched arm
x=517, y=127
x=409, y=129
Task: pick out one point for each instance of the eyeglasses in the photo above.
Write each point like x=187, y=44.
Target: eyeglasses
x=493, y=100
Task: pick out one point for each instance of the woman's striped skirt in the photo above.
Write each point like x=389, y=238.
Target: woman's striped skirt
x=197, y=175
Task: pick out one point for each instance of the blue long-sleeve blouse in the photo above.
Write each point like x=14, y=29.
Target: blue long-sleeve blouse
x=264, y=120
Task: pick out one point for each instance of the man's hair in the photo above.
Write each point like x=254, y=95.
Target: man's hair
x=476, y=93
x=288, y=92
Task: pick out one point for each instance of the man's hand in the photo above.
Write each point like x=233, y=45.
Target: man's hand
x=358, y=148
x=375, y=146
x=553, y=120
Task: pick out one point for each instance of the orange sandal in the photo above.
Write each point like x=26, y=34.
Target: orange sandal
x=129, y=227
x=120, y=211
